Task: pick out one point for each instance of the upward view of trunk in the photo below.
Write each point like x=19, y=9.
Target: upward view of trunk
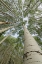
x=32, y=52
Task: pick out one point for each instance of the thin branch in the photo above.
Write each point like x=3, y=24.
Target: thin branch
x=29, y=3
x=35, y=3
x=38, y=5
x=4, y=39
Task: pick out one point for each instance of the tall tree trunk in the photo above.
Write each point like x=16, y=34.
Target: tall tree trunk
x=32, y=52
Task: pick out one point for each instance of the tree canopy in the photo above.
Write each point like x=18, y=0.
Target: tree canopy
x=13, y=15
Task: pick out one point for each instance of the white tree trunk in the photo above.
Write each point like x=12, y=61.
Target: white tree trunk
x=5, y=29
x=4, y=23
x=32, y=52
x=6, y=36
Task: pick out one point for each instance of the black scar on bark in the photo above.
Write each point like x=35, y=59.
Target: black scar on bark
x=29, y=58
x=25, y=55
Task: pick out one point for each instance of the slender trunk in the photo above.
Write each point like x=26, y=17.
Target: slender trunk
x=4, y=23
x=4, y=39
x=32, y=52
x=5, y=29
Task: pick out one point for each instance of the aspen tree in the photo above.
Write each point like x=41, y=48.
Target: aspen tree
x=4, y=29
x=6, y=36
x=32, y=52
x=4, y=23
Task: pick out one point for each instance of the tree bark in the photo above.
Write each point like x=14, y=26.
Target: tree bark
x=5, y=29
x=32, y=52
x=4, y=23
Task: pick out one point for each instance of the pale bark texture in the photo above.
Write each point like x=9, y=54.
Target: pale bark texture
x=32, y=52
x=4, y=23
x=4, y=29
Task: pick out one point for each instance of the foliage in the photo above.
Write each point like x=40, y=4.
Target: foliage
x=11, y=44
x=15, y=12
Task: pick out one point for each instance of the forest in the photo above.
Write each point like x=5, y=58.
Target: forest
x=20, y=31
